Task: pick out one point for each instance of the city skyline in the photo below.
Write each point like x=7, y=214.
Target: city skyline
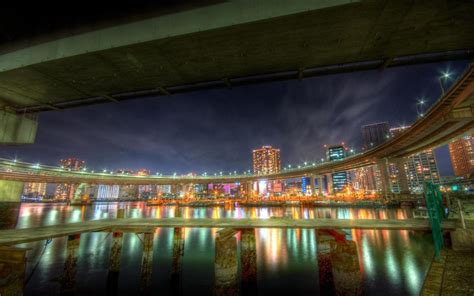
x=196, y=142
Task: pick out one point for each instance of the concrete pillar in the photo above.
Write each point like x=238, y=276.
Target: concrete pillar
x=320, y=185
x=147, y=263
x=10, y=191
x=345, y=268
x=248, y=261
x=384, y=178
x=225, y=264
x=115, y=252
x=17, y=129
x=12, y=270
x=70, y=265
x=250, y=190
x=326, y=281
x=402, y=176
x=114, y=263
x=178, y=253
x=311, y=184
x=330, y=190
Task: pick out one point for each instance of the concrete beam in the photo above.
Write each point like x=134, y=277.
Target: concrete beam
x=10, y=191
x=17, y=129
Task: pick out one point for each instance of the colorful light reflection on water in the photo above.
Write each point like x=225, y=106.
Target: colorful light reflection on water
x=390, y=262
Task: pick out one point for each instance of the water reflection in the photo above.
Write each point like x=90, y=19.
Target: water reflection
x=198, y=261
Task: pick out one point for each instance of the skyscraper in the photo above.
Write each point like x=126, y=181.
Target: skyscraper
x=335, y=153
x=266, y=160
x=66, y=191
x=375, y=134
x=461, y=152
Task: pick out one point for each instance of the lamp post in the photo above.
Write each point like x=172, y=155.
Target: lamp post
x=444, y=76
x=419, y=107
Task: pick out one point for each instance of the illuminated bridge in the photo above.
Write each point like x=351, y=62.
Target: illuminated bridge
x=217, y=44
x=450, y=117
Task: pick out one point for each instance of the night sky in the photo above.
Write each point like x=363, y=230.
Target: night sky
x=216, y=130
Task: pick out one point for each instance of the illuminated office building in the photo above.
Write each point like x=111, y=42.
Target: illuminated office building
x=107, y=191
x=34, y=189
x=375, y=134
x=461, y=152
x=335, y=153
x=66, y=191
x=266, y=160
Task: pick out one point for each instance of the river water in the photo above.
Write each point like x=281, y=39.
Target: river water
x=288, y=261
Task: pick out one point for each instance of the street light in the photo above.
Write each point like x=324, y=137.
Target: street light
x=420, y=103
x=444, y=76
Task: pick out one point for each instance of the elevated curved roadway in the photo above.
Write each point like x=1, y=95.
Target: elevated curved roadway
x=450, y=117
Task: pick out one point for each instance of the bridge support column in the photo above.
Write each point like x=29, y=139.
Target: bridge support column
x=12, y=270
x=147, y=263
x=311, y=180
x=338, y=263
x=402, y=176
x=114, y=263
x=345, y=268
x=248, y=261
x=17, y=129
x=329, y=184
x=178, y=253
x=320, y=185
x=225, y=263
x=115, y=252
x=70, y=265
x=326, y=281
x=383, y=168
x=10, y=191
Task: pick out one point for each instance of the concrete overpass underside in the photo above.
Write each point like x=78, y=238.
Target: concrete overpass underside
x=229, y=44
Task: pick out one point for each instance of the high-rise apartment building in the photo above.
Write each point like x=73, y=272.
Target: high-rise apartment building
x=266, y=160
x=66, y=191
x=34, y=189
x=461, y=152
x=420, y=168
x=375, y=134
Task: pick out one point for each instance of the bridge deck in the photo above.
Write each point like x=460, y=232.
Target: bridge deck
x=17, y=236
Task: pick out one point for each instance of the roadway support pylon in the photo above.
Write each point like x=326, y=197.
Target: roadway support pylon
x=12, y=270
x=320, y=185
x=329, y=183
x=178, y=253
x=311, y=180
x=115, y=252
x=226, y=264
x=147, y=263
x=383, y=168
x=248, y=261
x=70, y=265
x=114, y=263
